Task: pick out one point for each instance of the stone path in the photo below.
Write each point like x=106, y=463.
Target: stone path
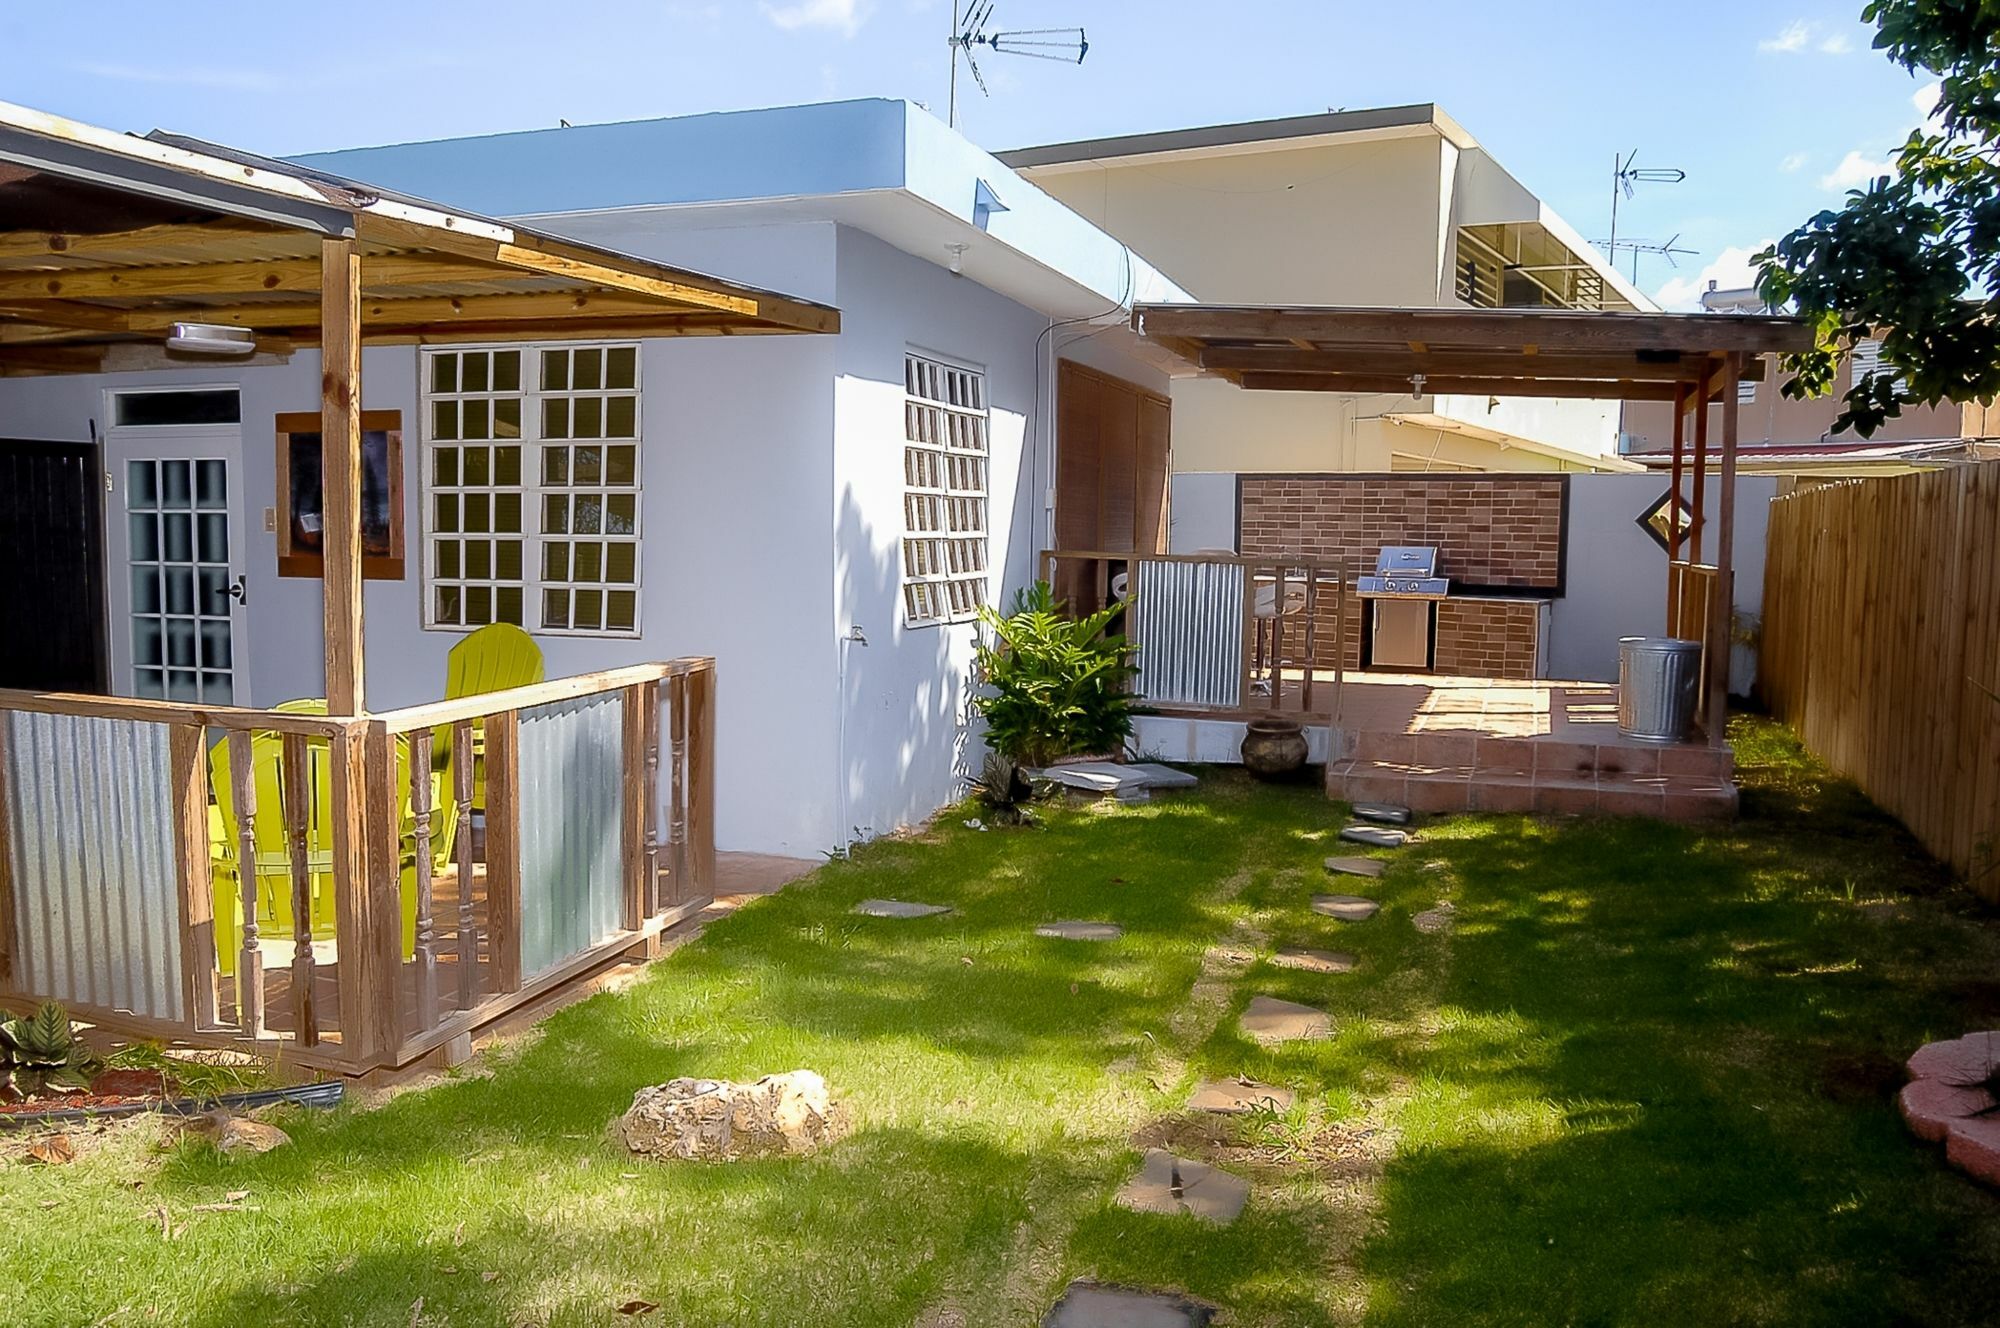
x=899, y=908
x=1348, y=908
x=1132, y=783
x=1355, y=866
x=1268, y=1019
x=1239, y=1097
x=1081, y=931
x=1170, y=1184
x=1315, y=961
x=1387, y=813
x=1375, y=836
x=1091, y=1305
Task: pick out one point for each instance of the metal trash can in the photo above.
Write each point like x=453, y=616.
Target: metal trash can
x=1658, y=680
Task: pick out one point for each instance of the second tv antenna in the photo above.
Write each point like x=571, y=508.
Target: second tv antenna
x=970, y=29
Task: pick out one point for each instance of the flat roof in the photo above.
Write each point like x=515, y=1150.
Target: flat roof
x=1243, y=133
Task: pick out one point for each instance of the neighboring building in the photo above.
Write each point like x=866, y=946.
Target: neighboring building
x=823, y=514
x=1391, y=207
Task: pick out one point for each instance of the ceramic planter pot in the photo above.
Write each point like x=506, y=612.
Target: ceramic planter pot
x=1274, y=747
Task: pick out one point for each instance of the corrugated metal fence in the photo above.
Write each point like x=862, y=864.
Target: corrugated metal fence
x=572, y=826
x=1189, y=632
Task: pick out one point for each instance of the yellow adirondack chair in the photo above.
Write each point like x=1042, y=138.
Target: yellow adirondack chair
x=492, y=659
x=273, y=865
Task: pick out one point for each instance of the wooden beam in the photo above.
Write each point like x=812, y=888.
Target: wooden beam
x=1395, y=385
x=249, y=277
x=1720, y=634
x=1674, y=510
x=51, y=359
x=1550, y=330
x=1461, y=364
x=416, y=311
x=69, y=244
x=340, y=422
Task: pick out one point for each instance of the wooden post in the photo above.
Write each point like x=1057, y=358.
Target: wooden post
x=701, y=782
x=503, y=849
x=9, y=935
x=1674, y=508
x=420, y=824
x=1700, y=512
x=461, y=793
x=250, y=957
x=1311, y=634
x=632, y=768
x=186, y=753
x=1723, y=596
x=340, y=461
x=295, y=811
x=361, y=1030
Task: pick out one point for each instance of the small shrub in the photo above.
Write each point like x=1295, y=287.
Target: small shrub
x=1004, y=791
x=1053, y=685
x=43, y=1052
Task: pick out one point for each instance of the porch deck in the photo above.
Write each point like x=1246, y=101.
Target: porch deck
x=1445, y=744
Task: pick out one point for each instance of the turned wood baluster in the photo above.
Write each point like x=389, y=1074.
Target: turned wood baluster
x=649, y=694
x=296, y=806
x=468, y=934
x=250, y=960
x=420, y=818
x=677, y=727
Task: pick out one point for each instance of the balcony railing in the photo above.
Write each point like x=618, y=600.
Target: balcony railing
x=310, y=886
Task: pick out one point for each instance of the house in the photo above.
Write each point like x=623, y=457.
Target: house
x=1392, y=207
x=820, y=513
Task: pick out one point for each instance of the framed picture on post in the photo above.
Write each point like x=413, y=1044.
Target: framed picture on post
x=301, y=511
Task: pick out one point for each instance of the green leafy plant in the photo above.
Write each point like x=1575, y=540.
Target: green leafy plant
x=43, y=1052
x=1053, y=685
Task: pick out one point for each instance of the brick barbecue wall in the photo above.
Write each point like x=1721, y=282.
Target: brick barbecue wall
x=1487, y=638
x=1489, y=530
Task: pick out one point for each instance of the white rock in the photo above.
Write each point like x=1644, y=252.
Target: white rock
x=780, y=1114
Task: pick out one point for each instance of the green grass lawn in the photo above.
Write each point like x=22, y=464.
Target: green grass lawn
x=1647, y=1077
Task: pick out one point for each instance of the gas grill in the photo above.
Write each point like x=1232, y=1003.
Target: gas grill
x=1404, y=571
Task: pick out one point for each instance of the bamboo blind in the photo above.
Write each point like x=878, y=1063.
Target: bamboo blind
x=1881, y=647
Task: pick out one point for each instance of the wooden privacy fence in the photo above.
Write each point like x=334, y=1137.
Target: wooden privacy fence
x=1881, y=647
x=309, y=886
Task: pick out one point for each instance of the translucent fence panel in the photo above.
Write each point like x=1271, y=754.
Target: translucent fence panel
x=1190, y=633
x=89, y=815
x=572, y=810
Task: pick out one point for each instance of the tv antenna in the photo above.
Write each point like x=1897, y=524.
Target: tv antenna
x=1625, y=177
x=1670, y=250
x=970, y=29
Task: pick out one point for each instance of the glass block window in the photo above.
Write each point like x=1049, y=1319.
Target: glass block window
x=532, y=488
x=944, y=490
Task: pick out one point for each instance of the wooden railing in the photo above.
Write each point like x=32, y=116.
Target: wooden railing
x=147, y=881
x=1220, y=632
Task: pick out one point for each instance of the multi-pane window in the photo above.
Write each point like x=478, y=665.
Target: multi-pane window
x=533, y=502
x=178, y=515
x=944, y=496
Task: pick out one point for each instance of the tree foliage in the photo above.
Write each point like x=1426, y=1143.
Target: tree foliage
x=1913, y=258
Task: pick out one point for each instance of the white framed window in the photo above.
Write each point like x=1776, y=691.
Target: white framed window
x=945, y=455
x=531, y=488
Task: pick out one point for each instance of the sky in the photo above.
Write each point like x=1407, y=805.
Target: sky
x=1772, y=107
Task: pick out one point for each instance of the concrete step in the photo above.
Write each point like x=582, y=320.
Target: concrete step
x=1549, y=757
x=1555, y=788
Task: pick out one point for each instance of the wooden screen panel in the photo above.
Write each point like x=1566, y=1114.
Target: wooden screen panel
x=1112, y=465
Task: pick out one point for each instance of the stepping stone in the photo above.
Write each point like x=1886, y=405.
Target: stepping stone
x=1434, y=920
x=1931, y=1107
x=898, y=908
x=1268, y=1019
x=1081, y=931
x=1965, y=1062
x=1355, y=866
x=1387, y=813
x=1316, y=961
x=1239, y=1097
x=1092, y=1305
x=1163, y=776
x=1973, y=1146
x=1348, y=908
x=1170, y=1184
x=1375, y=836
x=1094, y=777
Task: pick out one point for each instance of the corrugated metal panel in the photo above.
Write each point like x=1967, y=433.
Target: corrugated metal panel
x=1190, y=633
x=97, y=897
x=572, y=828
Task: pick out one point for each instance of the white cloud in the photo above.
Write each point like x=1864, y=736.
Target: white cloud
x=1792, y=38
x=1732, y=270
x=1925, y=99
x=845, y=16
x=1855, y=171
x=1835, y=43
x=1792, y=161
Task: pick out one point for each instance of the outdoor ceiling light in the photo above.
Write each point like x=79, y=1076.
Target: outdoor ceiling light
x=211, y=339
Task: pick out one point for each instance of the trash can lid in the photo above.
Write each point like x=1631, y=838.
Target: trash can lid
x=1663, y=644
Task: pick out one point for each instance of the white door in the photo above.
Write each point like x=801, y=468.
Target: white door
x=174, y=541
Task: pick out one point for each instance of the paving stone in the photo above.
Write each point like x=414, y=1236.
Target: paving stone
x=1093, y=776
x=1163, y=776
x=1355, y=866
x=1375, y=836
x=1434, y=920
x=1093, y=1305
x=1081, y=931
x=1170, y=1184
x=1316, y=961
x=899, y=908
x=1239, y=1097
x=1348, y=908
x=1268, y=1019
x=1387, y=813
x=1965, y=1061
x=1973, y=1146
x=1930, y=1106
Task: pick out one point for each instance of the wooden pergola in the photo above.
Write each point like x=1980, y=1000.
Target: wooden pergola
x=1688, y=359
x=107, y=241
